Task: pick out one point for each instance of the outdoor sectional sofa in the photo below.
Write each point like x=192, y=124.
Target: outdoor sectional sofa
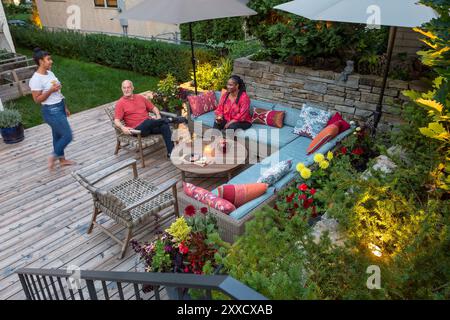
x=290, y=146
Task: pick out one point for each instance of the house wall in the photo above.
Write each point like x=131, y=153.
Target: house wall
x=54, y=14
x=6, y=41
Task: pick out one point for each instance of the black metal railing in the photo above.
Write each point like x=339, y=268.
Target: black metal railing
x=60, y=284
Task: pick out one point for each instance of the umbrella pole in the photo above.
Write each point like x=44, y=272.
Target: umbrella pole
x=377, y=113
x=193, y=57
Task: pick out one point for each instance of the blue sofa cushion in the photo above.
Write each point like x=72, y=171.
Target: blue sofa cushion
x=260, y=104
x=291, y=115
x=263, y=134
x=207, y=119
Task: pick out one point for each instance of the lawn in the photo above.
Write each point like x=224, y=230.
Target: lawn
x=85, y=86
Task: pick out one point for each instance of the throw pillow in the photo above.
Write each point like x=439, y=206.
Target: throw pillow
x=311, y=121
x=238, y=194
x=208, y=198
x=323, y=137
x=268, y=117
x=202, y=103
x=275, y=173
x=339, y=121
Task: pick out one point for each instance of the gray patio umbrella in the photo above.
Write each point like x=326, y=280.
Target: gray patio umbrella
x=186, y=11
x=393, y=13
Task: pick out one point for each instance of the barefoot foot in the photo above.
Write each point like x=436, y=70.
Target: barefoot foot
x=51, y=163
x=65, y=162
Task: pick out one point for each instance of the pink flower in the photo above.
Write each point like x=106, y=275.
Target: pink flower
x=189, y=210
x=186, y=270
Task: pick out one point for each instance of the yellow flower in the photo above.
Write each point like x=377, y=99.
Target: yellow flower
x=179, y=230
x=305, y=173
x=324, y=164
x=330, y=155
x=318, y=157
x=300, y=166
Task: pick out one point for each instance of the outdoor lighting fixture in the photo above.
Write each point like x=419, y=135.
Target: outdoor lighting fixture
x=376, y=251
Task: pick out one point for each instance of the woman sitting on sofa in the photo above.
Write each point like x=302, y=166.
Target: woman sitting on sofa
x=233, y=111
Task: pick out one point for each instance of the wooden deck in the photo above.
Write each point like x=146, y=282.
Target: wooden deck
x=44, y=215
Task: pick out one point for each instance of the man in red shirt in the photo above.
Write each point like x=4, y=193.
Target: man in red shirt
x=133, y=109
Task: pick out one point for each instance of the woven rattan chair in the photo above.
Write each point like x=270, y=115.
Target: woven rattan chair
x=130, y=203
x=134, y=142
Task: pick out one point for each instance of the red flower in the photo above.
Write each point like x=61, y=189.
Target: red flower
x=358, y=151
x=183, y=249
x=303, y=187
x=307, y=203
x=189, y=210
x=296, y=205
x=186, y=270
x=302, y=197
x=204, y=210
x=312, y=191
x=275, y=207
x=290, y=198
x=344, y=150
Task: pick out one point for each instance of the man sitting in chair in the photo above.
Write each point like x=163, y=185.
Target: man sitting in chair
x=133, y=109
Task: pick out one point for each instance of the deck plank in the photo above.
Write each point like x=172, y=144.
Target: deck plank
x=44, y=215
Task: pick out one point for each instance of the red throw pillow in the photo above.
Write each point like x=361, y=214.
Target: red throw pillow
x=268, y=117
x=323, y=137
x=339, y=121
x=202, y=103
x=238, y=194
x=208, y=198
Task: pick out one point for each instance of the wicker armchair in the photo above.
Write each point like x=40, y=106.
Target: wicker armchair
x=131, y=203
x=134, y=142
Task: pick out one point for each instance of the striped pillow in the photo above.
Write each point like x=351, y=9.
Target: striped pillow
x=238, y=194
x=323, y=137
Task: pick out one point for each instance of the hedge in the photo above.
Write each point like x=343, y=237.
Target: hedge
x=153, y=58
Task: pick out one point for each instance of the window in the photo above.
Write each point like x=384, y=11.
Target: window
x=105, y=3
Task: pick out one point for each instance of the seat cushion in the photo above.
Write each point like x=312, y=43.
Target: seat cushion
x=207, y=119
x=291, y=115
x=261, y=105
x=268, y=135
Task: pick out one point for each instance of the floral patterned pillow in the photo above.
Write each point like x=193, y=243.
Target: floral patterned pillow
x=208, y=198
x=275, y=173
x=312, y=121
x=202, y=103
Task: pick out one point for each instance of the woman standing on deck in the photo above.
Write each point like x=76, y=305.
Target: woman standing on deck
x=46, y=90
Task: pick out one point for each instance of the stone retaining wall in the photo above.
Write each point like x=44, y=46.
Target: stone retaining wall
x=293, y=86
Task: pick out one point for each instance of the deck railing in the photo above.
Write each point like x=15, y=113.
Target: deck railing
x=60, y=284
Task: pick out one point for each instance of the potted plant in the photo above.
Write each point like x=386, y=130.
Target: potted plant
x=169, y=97
x=11, y=127
x=190, y=245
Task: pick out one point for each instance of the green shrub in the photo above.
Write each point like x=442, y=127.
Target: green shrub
x=214, y=76
x=146, y=57
x=10, y=118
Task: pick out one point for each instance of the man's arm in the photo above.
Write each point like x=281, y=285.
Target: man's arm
x=152, y=108
x=155, y=110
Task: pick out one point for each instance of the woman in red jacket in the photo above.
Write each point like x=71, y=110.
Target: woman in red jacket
x=233, y=111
